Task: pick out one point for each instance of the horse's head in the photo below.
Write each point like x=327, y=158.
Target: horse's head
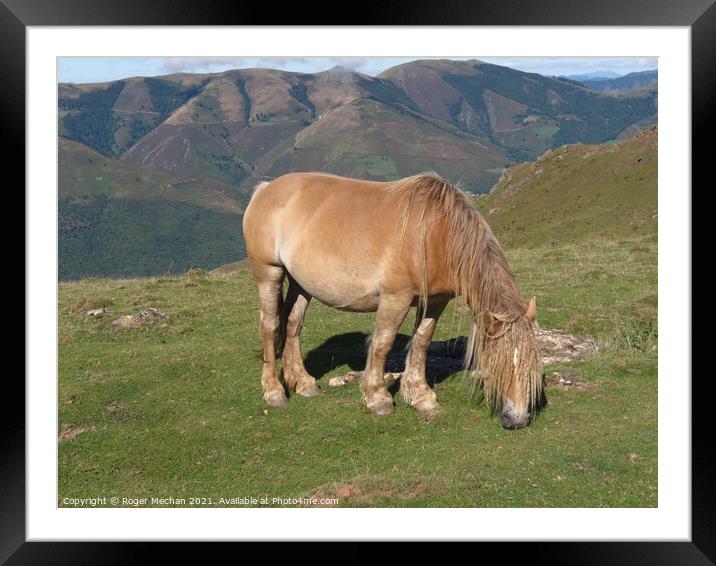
x=509, y=365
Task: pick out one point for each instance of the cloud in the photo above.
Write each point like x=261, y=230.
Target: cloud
x=98, y=69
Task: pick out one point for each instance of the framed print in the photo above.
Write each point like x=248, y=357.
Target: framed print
x=187, y=235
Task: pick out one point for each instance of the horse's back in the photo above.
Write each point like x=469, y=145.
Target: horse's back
x=314, y=206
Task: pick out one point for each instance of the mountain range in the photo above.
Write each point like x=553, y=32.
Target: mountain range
x=628, y=83
x=182, y=152
x=593, y=75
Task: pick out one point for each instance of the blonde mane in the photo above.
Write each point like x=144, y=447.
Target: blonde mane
x=480, y=276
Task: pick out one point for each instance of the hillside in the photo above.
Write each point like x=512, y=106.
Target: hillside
x=118, y=219
x=83, y=172
x=578, y=193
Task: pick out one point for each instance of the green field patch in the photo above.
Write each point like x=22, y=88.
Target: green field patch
x=545, y=131
x=380, y=166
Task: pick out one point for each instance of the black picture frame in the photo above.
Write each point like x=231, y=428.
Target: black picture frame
x=17, y=15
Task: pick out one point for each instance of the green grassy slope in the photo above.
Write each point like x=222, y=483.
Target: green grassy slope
x=578, y=193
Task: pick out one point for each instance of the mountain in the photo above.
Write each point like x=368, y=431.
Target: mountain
x=186, y=149
x=523, y=113
x=624, y=84
x=465, y=119
x=594, y=75
x=580, y=192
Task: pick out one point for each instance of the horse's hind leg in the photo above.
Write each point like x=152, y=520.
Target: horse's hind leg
x=413, y=386
x=270, y=280
x=391, y=313
x=294, y=372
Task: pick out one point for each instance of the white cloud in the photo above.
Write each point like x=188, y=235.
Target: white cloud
x=98, y=69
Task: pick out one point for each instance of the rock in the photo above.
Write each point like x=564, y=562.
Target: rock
x=132, y=321
x=95, y=313
x=557, y=346
x=567, y=380
x=343, y=379
x=492, y=211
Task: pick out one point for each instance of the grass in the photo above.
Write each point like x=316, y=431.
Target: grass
x=174, y=408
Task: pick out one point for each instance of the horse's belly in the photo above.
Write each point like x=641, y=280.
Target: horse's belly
x=341, y=294
x=341, y=289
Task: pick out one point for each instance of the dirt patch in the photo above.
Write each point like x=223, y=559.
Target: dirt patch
x=70, y=432
x=366, y=492
x=348, y=490
x=114, y=407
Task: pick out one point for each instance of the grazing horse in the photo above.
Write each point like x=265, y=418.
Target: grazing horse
x=367, y=246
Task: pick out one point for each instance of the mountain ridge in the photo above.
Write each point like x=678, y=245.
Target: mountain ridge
x=149, y=119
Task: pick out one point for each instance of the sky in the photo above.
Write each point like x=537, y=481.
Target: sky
x=102, y=69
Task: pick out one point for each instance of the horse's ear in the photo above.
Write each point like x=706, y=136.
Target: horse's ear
x=531, y=313
x=487, y=322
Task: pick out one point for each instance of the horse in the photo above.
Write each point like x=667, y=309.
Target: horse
x=384, y=247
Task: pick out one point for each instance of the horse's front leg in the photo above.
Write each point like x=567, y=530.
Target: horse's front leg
x=391, y=313
x=413, y=387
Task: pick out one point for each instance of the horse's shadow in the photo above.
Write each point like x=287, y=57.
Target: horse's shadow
x=351, y=349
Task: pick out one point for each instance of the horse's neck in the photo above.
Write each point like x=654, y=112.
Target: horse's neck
x=496, y=287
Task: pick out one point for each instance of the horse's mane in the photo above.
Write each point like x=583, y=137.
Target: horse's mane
x=478, y=270
x=478, y=267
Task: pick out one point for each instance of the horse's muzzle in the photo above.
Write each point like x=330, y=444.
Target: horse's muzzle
x=512, y=422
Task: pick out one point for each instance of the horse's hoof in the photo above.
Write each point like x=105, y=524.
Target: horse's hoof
x=427, y=404
x=276, y=399
x=383, y=408
x=309, y=391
